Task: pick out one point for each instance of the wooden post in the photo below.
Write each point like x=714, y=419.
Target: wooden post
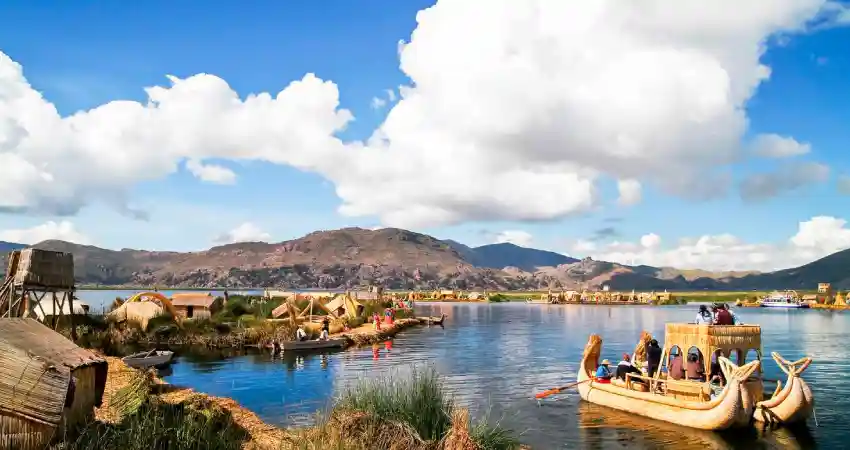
x=54, y=320
x=70, y=295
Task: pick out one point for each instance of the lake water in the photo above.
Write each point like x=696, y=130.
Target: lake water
x=494, y=357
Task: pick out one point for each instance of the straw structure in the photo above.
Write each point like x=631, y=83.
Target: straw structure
x=45, y=268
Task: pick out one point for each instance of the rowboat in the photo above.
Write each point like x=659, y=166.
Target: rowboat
x=696, y=403
x=312, y=344
x=146, y=360
x=435, y=320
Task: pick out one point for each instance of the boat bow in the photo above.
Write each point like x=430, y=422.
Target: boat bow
x=793, y=403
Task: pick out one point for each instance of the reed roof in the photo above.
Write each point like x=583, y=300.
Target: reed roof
x=192, y=299
x=713, y=337
x=36, y=364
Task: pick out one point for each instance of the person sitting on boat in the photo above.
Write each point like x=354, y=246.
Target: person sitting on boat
x=716, y=374
x=694, y=370
x=735, y=319
x=653, y=357
x=324, y=335
x=603, y=374
x=625, y=366
x=704, y=316
x=677, y=370
x=326, y=324
x=301, y=335
x=723, y=317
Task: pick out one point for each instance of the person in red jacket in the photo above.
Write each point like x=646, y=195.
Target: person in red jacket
x=723, y=317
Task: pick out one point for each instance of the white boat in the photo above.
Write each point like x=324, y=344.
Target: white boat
x=146, y=360
x=787, y=299
x=312, y=344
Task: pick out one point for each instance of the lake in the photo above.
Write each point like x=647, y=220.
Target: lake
x=494, y=357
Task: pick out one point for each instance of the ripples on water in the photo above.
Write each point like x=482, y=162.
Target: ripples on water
x=495, y=357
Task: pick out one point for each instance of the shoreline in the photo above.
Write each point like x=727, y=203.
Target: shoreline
x=260, y=435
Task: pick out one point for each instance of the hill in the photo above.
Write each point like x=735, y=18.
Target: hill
x=499, y=256
x=401, y=259
x=9, y=246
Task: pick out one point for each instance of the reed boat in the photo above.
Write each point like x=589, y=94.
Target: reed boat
x=315, y=344
x=672, y=398
x=792, y=403
x=684, y=403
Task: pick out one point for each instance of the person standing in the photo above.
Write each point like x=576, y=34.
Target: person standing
x=653, y=357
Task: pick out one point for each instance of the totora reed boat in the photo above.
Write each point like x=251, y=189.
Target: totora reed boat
x=736, y=399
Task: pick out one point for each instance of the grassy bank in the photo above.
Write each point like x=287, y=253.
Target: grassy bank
x=401, y=411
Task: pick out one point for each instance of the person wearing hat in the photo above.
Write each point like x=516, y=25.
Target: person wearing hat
x=603, y=374
x=704, y=317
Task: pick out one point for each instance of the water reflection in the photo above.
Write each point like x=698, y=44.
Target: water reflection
x=494, y=357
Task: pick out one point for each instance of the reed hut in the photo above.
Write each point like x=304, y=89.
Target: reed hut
x=47, y=384
x=139, y=313
x=194, y=305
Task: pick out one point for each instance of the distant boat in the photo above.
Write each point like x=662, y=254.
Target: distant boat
x=146, y=360
x=787, y=299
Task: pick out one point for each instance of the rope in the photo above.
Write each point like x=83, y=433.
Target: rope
x=815, y=415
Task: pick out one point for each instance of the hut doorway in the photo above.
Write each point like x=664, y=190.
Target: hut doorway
x=190, y=311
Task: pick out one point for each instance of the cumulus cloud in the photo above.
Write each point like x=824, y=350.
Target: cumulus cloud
x=64, y=231
x=211, y=173
x=630, y=192
x=246, y=232
x=516, y=237
x=517, y=120
x=789, y=177
x=775, y=146
x=815, y=238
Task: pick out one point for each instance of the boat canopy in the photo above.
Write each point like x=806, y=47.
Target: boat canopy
x=708, y=339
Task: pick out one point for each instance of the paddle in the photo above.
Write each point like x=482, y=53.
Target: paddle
x=557, y=390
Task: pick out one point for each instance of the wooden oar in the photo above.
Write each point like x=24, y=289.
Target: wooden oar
x=557, y=390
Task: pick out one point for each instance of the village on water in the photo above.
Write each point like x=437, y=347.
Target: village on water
x=65, y=379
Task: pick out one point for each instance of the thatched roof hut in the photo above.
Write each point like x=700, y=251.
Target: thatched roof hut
x=139, y=313
x=46, y=384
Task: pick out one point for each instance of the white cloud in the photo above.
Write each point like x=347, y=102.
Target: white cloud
x=64, y=231
x=517, y=120
x=815, y=238
x=211, y=173
x=378, y=103
x=775, y=146
x=516, y=237
x=246, y=232
x=789, y=177
x=630, y=192
x=390, y=95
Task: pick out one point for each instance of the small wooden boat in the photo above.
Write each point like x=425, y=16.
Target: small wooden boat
x=793, y=403
x=315, y=344
x=435, y=320
x=146, y=360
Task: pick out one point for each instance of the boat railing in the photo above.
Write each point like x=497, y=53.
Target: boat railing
x=664, y=384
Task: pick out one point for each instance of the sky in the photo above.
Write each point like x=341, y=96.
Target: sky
x=689, y=134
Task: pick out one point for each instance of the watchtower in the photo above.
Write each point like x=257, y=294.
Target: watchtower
x=39, y=284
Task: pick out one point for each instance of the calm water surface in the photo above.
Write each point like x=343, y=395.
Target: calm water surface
x=494, y=357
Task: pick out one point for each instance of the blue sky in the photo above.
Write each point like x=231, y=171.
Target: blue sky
x=84, y=54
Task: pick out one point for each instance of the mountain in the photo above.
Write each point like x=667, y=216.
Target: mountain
x=499, y=256
x=401, y=259
x=9, y=246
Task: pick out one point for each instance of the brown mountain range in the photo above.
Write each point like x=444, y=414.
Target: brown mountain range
x=402, y=259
